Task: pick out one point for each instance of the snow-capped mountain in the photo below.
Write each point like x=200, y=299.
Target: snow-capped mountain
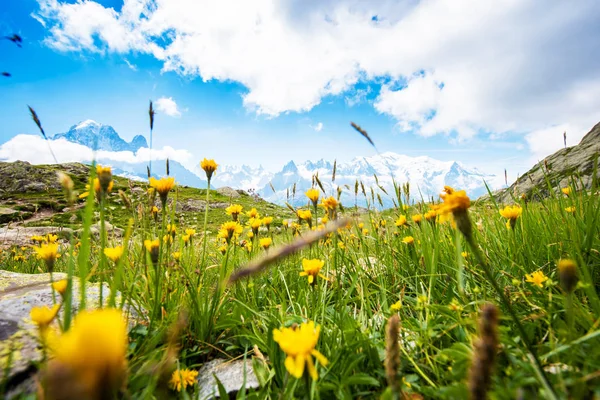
x=240, y=177
x=101, y=137
x=426, y=176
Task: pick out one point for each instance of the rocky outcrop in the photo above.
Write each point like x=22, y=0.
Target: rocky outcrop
x=233, y=375
x=563, y=168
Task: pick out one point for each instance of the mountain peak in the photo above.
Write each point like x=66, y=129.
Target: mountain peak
x=290, y=167
x=86, y=123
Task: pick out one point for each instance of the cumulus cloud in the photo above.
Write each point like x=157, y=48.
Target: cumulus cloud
x=34, y=149
x=168, y=106
x=456, y=67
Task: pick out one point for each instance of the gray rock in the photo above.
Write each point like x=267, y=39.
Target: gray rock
x=575, y=162
x=18, y=334
x=229, y=192
x=229, y=373
x=193, y=205
x=8, y=215
x=20, y=236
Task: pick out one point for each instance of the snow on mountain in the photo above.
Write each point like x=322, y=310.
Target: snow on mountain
x=101, y=137
x=240, y=177
x=426, y=176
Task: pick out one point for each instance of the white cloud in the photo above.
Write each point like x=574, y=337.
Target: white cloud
x=130, y=65
x=505, y=65
x=34, y=149
x=548, y=140
x=318, y=127
x=168, y=106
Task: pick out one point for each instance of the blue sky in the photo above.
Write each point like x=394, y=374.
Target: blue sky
x=494, y=90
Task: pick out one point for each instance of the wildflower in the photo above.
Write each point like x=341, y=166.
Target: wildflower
x=234, y=210
x=253, y=213
x=153, y=247
x=100, y=190
x=265, y=243
x=456, y=204
x=229, y=229
x=299, y=343
x=176, y=255
x=417, y=218
x=537, y=278
x=89, y=358
x=154, y=212
x=43, y=316
x=190, y=232
x=50, y=238
x=255, y=224
x=511, y=213
x=209, y=166
x=182, y=378
x=567, y=274
x=566, y=191
x=397, y=306
x=455, y=305
x=172, y=229
x=330, y=205
x=37, y=239
x=405, y=207
x=408, y=240
x=401, y=221
x=49, y=253
x=19, y=258
x=267, y=221
x=430, y=215
x=168, y=239
x=250, y=234
x=312, y=269
x=104, y=177
x=464, y=254
x=223, y=249
x=304, y=215
x=114, y=253
x=313, y=195
x=186, y=239
x=60, y=286
x=248, y=247
x=163, y=186
x=570, y=210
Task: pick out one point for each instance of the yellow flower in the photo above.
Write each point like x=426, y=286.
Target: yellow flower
x=265, y=243
x=163, y=186
x=152, y=246
x=417, y=218
x=49, y=253
x=408, y=240
x=183, y=378
x=101, y=190
x=570, y=210
x=209, y=166
x=50, y=238
x=511, y=212
x=464, y=254
x=401, y=221
x=171, y=229
x=19, y=258
x=250, y=234
x=396, y=306
x=299, y=343
x=365, y=231
x=430, y=215
x=312, y=269
x=186, y=239
x=223, y=249
x=330, y=205
x=566, y=191
x=313, y=195
x=405, y=207
x=167, y=239
x=114, y=253
x=43, y=316
x=104, y=177
x=229, y=229
x=537, y=278
x=60, y=286
x=267, y=221
x=304, y=215
x=37, y=239
x=252, y=213
x=91, y=353
x=176, y=255
x=567, y=274
x=454, y=201
x=234, y=210
x=190, y=232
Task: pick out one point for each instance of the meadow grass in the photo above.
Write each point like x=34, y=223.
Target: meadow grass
x=434, y=278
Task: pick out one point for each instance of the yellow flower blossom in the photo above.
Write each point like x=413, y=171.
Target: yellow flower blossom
x=401, y=221
x=163, y=186
x=43, y=316
x=299, y=343
x=570, y=210
x=304, y=215
x=537, y=278
x=49, y=253
x=417, y=218
x=114, y=253
x=253, y=213
x=229, y=229
x=153, y=247
x=176, y=255
x=60, y=286
x=234, y=210
x=566, y=191
x=265, y=243
x=209, y=166
x=183, y=378
x=397, y=306
x=104, y=177
x=312, y=269
x=313, y=195
x=408, y=240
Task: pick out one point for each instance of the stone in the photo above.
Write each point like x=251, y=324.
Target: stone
x=20, y=236
x=192, y=205
x=228, y=192
x=229, y=373
x=19, y=335
x=8, y=215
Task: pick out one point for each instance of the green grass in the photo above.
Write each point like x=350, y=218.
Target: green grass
x=439, y=291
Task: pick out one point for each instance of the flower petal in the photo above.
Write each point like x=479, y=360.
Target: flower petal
x=320, y=357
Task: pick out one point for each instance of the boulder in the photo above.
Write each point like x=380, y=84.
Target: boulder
x=18, y=334
x=228, y=192
x=20, y=236
x=8, y=215
x=229, y=373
